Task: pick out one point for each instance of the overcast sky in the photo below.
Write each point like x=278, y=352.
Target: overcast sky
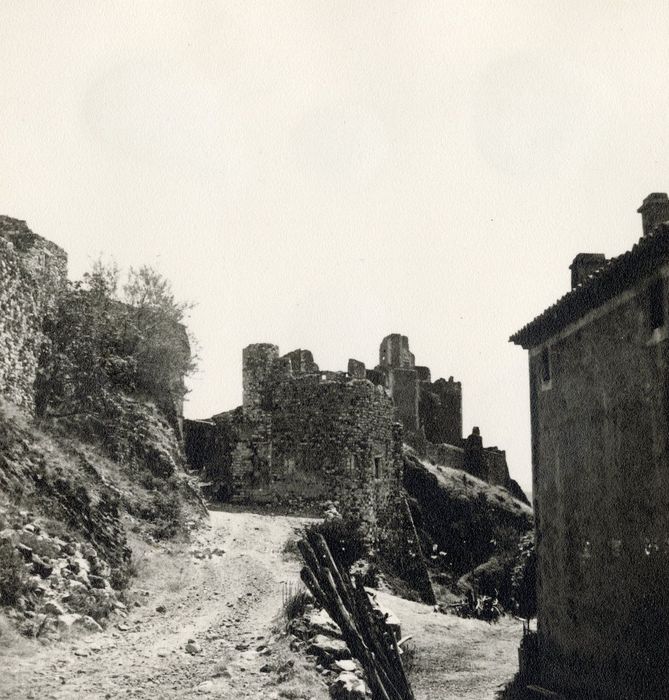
x=321, y=174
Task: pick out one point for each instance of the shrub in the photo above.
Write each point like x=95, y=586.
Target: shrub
x=343, y=537
x=409, y=658
x=505, y=538
x=12, y=574
x=120, y=576
x=165, y=514
x=524, y=578
x=480, y=607
x=104, y=343
x=94, y=603
x=291, y=550
x=41, y=546
x=297, y=605
x=493, y=578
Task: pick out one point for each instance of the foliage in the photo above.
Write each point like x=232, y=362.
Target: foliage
x=493, y=578
x=42, y=547
x=343, y=537
x=297, y=605
x=290, y=549
x=409, y=660
x=103, y=343
x=94, y=603
x=524, y=578
x=480, y=607
x=12, y=574
x=165, y=513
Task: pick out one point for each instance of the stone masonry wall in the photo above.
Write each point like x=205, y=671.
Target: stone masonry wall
x=440, y=411
x=32, y=272
x=600, y=453
x=323, y=440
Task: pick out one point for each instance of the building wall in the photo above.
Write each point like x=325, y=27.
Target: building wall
x=440, y=411
x=404, y=389
x=32, y=272
x=495, y=467
x=312, y=436
x=601, y=490
x=394, y=352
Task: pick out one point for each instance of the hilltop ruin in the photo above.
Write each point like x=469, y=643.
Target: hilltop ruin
x=308, y=435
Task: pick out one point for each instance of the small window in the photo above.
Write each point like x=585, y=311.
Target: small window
x=545, y=366
x=377, y=467
x=656, y=304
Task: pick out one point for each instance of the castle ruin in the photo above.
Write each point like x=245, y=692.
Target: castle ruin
x=305, y=435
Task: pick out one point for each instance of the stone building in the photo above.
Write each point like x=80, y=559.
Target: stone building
x=432, y=411
x=599, y=392
x=32, y=273
x=305, y=435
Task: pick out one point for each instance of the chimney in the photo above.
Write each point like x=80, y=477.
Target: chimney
x=584, y=265
x=654, y=210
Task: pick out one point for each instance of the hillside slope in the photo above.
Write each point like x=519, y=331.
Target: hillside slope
x=463, y=522
x=67, y=509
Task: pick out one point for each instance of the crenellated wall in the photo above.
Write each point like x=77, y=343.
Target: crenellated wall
x=32, y=273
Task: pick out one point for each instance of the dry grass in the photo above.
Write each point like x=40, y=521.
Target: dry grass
x=296, y=605
x=465, y=486
x=11, y=642
x=456, y=658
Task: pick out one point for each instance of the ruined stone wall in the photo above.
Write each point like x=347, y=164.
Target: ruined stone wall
x=301, y=362
x=600, y=426
x=495, y=469
x=446, y=455
x=403, y=385
x=32, y=273
x=327, y=440
x=394, y=352
x=258, y=364
x=440, y=411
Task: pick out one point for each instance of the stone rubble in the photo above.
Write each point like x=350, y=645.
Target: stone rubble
x=317, y=635
x=66, y=582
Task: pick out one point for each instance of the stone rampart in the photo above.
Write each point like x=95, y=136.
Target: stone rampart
x=32, y=273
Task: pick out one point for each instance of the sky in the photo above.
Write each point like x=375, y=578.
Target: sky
x=321, y=174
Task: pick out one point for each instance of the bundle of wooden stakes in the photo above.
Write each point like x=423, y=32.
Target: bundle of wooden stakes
x=363, y=628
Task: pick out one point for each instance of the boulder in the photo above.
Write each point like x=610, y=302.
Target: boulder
x=328, y=649
x=40, y=567
x=349, y=665
x=97, y=581
x=53, y=608
x=192, y=647
x=347, y=686
x=321, y=623
x=24, y=551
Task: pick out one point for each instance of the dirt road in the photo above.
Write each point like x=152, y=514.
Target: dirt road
x=228, y=602
x=225, y=592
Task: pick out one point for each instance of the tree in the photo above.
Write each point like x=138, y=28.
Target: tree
x=102, y=345
x=156, y=335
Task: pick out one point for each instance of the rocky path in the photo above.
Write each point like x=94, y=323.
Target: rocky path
x=224, y=591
